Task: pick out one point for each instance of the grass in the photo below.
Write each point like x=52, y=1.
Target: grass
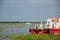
x=34, y=37
x=13, y=24
x=1, y=29
x=28, y=36
x=18, y=24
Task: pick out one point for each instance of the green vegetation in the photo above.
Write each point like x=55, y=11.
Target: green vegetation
x=1, y=29
x=27, y=36
x=33, y=37
x=19, y=24
x=13, y=24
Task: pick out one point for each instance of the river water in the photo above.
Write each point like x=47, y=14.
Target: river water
x=10, y=30
x=14, y=30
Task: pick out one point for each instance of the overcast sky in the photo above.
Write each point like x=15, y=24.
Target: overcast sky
x=28, y=10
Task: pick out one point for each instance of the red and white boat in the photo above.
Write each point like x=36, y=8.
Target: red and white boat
x=51, y=27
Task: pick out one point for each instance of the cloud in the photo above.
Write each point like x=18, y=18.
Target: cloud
x=31, y=10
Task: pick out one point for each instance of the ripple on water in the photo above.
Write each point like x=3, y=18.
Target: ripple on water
x=13, y=30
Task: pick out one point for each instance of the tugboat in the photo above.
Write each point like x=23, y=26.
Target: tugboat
x=51, y=27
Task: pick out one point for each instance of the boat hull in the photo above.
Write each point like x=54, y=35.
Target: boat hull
x=44, y=31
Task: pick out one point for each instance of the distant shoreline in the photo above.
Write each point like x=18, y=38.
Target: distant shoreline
x=22, y=22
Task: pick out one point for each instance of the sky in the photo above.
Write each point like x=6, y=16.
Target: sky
x=28, y=10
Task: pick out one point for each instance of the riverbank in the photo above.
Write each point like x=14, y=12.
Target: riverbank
x=33, y=37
